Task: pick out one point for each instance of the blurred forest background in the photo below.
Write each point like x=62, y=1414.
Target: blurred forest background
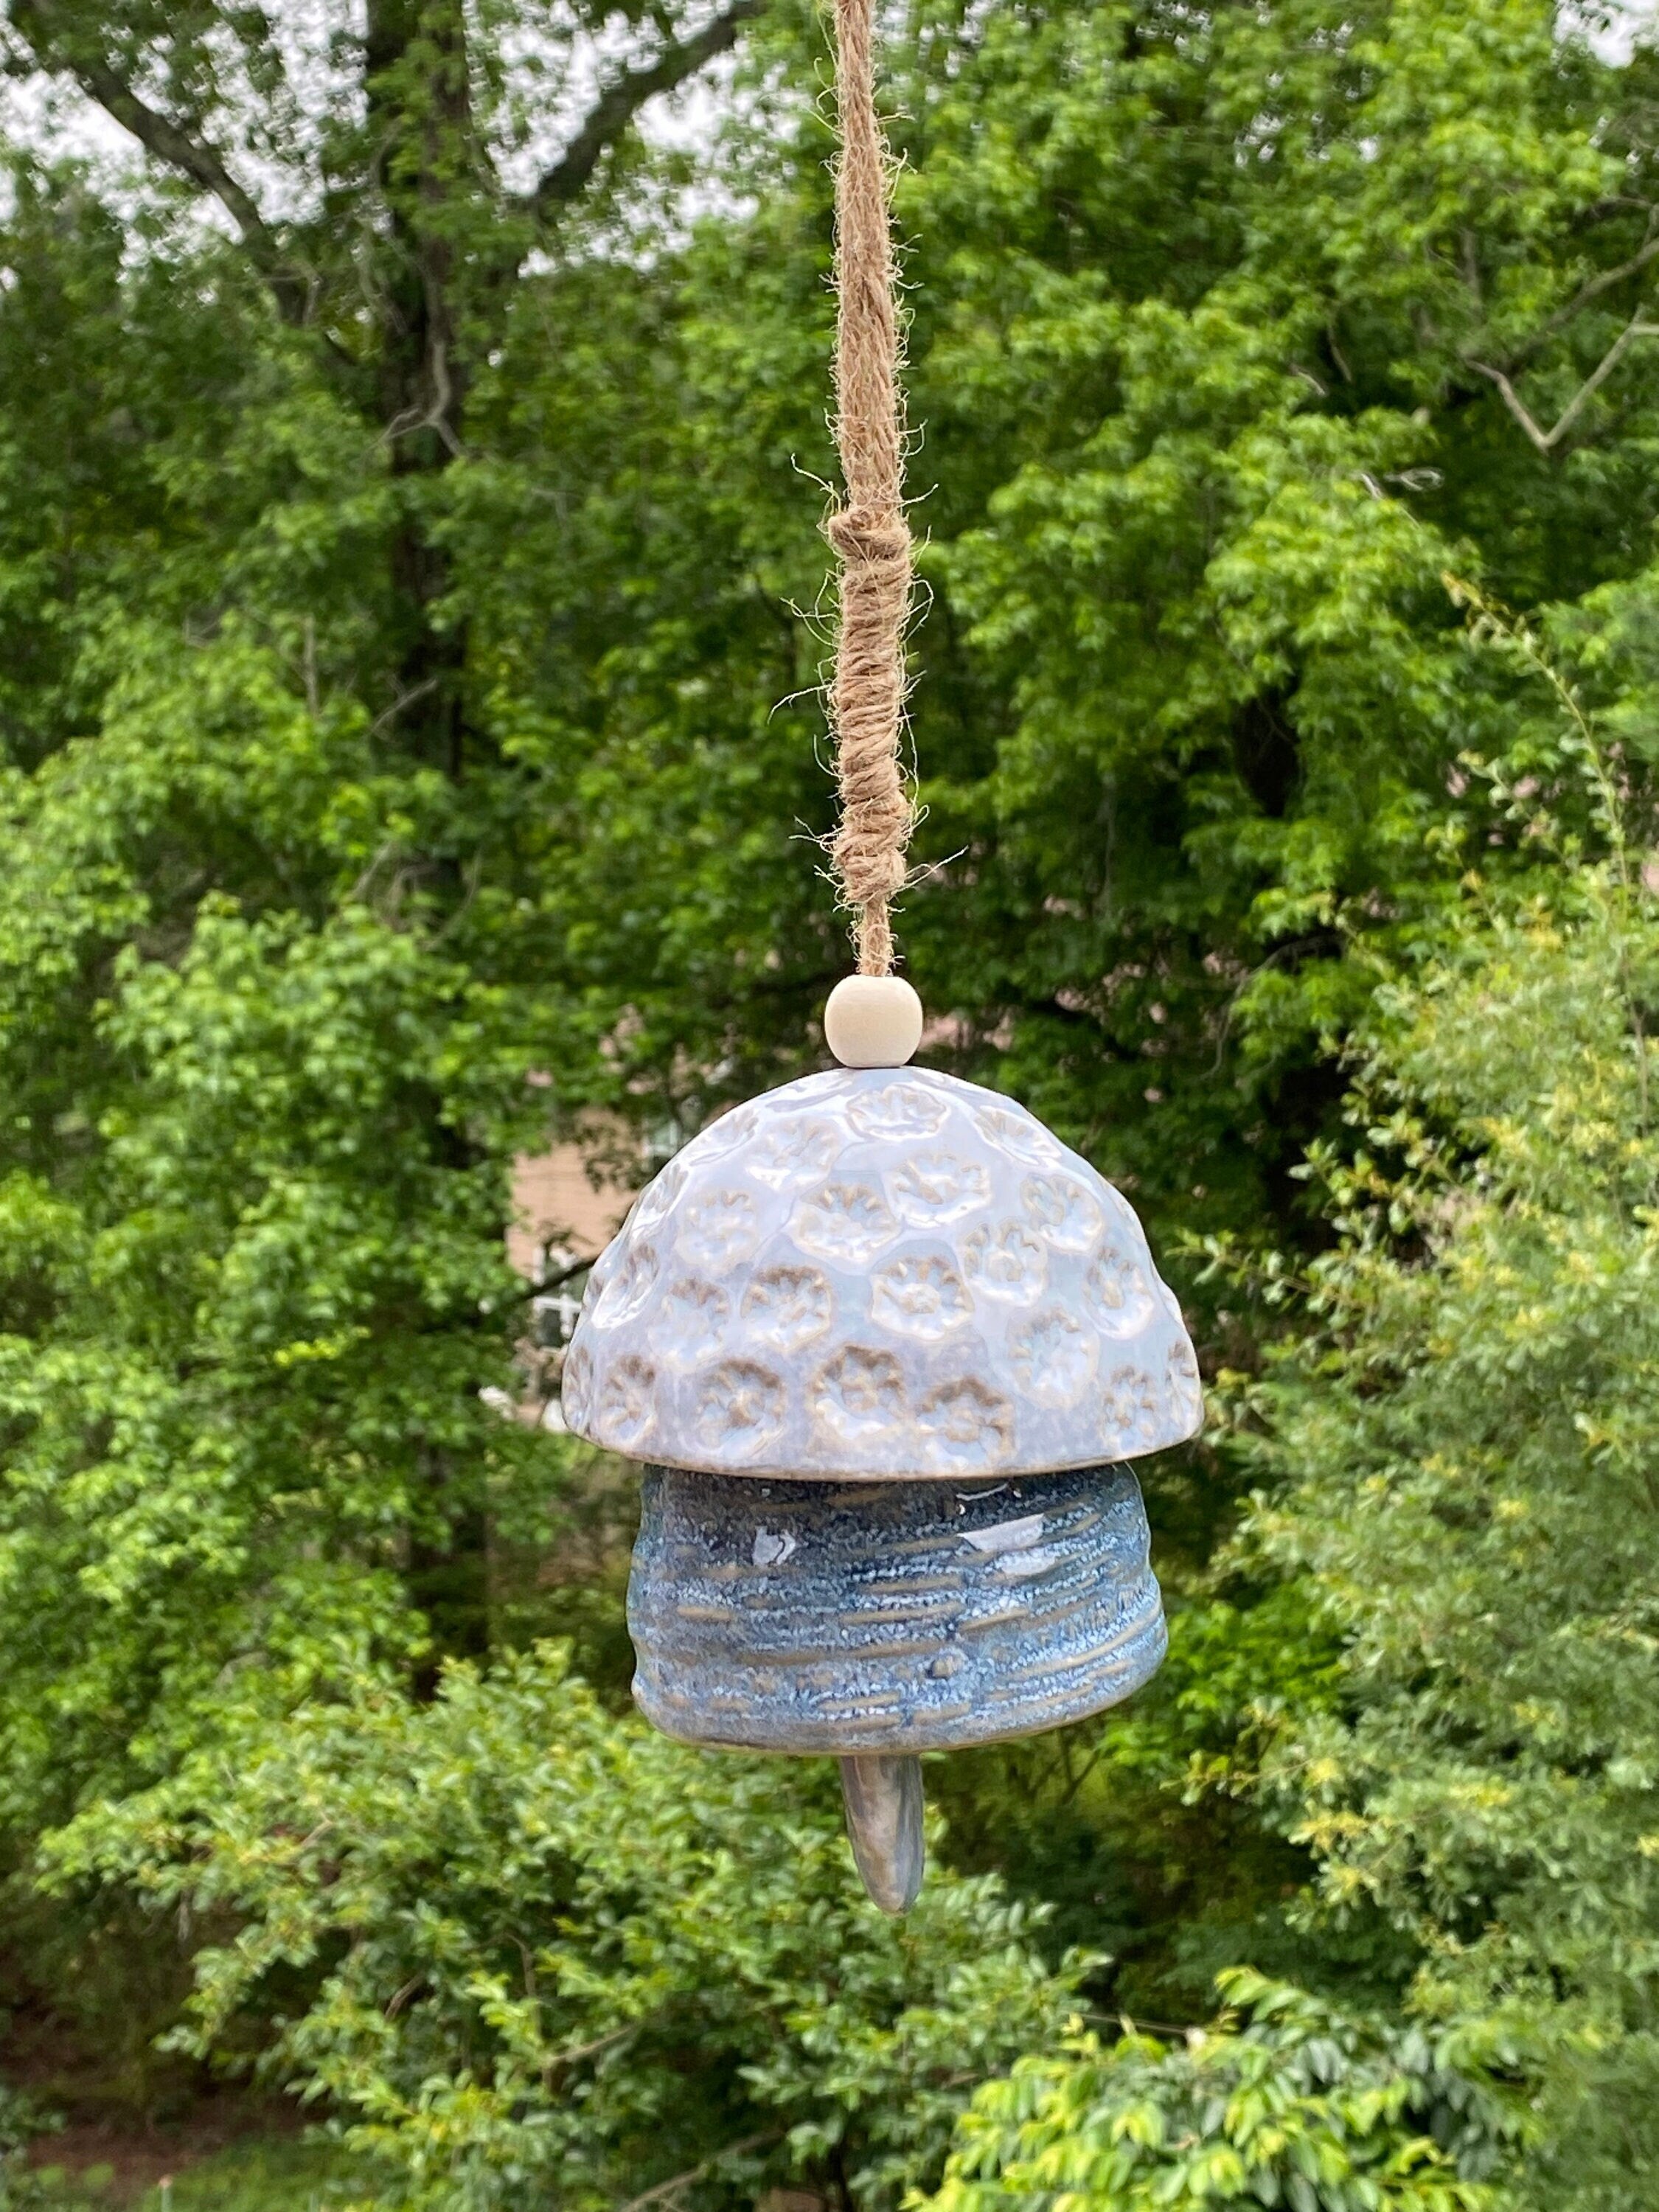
x=412, y=443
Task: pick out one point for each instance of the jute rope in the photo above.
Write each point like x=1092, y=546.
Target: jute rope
x=869, y=532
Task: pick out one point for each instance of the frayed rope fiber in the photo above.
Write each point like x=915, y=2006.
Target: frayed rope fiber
x=869, y=532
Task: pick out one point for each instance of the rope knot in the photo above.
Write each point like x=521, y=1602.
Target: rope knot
x=870, y=876
x=872, y=540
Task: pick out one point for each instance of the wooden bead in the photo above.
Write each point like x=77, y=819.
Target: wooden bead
x=873, y=1021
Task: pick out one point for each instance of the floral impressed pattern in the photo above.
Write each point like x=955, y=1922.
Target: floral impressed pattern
x=876, y=1273
x=922, y=1296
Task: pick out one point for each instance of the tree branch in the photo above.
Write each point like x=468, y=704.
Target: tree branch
x=697, y=2173
x=1546, y=440
x=42, y=24
x=1595, y=286
x=617, y=106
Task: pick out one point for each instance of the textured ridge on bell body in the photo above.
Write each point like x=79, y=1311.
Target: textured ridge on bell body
x=877, y=1274
x=889, y=1618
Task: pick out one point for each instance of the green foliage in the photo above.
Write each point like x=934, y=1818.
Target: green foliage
x=262, y=2176
x=534, y=1954
x=1442, y=1689
x=1205, y=314
x=1454, y=1454
x=21, y=2124
x=250, y=1341
x=277, y=940
x=1141, y=1832
x=1462, y=1467
x=1281, y=2102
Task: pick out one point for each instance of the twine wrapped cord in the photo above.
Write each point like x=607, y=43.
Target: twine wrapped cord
x=868, y=532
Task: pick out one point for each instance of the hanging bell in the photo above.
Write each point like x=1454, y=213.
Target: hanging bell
x=884, y=1344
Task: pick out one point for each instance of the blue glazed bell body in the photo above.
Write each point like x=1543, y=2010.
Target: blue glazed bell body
x=894, y=1617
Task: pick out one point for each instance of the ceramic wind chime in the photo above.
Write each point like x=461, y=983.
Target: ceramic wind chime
x=883, y=1343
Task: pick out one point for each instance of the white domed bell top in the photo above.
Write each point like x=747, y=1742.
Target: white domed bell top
x=876, y=1273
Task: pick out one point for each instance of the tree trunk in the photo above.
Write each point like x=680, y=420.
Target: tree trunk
x=420, y=122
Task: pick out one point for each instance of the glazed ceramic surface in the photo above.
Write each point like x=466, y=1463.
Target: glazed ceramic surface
x=889, y=1617
x=875, y=1273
